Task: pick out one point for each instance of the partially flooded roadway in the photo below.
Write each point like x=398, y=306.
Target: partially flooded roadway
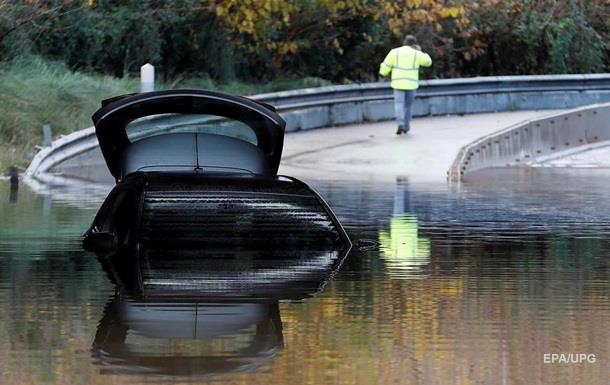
x=374, y=150
x=475, y=284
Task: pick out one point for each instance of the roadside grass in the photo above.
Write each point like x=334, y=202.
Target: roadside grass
x=241, y=88
x=37, y=91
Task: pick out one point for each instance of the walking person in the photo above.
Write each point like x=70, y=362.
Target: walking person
x=404, y=62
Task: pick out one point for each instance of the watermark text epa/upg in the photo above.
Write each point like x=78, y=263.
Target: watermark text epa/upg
x=569, y=358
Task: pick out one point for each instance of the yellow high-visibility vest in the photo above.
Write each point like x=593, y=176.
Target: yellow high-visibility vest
x=404, y=62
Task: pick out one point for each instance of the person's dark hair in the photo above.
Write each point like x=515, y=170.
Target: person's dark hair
x=410, y=40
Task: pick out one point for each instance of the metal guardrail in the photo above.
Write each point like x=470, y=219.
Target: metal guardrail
x=322, y=96
x=355, y=103
x=536, y=141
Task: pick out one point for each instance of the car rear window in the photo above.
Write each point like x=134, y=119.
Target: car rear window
x=200, y=123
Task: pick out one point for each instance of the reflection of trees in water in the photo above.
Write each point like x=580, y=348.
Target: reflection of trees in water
x=31, y=225
x=473, y=307
x=487, y=309
x=48, y=289
x=483, y=314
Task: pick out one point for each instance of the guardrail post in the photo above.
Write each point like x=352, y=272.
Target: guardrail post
x=47, y=137
x=147, y=78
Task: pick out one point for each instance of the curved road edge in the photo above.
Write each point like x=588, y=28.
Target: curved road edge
x=536, y=141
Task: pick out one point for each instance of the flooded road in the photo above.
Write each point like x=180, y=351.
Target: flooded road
x=476, y=284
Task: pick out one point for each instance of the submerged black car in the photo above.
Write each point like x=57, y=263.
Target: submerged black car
x=193, y=167
x=200, y=236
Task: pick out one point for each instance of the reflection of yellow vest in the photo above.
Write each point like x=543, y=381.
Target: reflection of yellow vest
x=401, y=247
x=404, y=63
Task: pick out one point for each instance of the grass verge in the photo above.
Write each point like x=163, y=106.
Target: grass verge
x=37, y=92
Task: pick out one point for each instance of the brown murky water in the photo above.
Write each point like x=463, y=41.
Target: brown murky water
x=468, y=285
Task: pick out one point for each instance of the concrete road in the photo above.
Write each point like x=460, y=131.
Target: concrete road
x=359, y=152
x=373, y=151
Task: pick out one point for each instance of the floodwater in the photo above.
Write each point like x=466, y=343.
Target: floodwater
x=476, y=284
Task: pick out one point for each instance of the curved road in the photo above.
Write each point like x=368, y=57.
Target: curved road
x=358, y=152
x=373, y=151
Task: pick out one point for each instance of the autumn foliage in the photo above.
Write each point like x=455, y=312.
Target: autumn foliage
x=341, y=41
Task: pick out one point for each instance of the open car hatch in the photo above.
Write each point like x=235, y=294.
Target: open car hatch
x=189, y=131
x=196, y=171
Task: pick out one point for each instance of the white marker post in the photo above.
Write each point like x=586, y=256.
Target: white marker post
x=47, y=136
x=147, y=78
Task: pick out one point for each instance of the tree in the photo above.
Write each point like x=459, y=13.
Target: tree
x=22, y=23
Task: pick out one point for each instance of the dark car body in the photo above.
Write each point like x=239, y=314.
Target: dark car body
x=200, y=236
x=194, y=162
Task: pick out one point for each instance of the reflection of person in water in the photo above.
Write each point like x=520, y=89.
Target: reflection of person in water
x=249, y=335
x=401, y=247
